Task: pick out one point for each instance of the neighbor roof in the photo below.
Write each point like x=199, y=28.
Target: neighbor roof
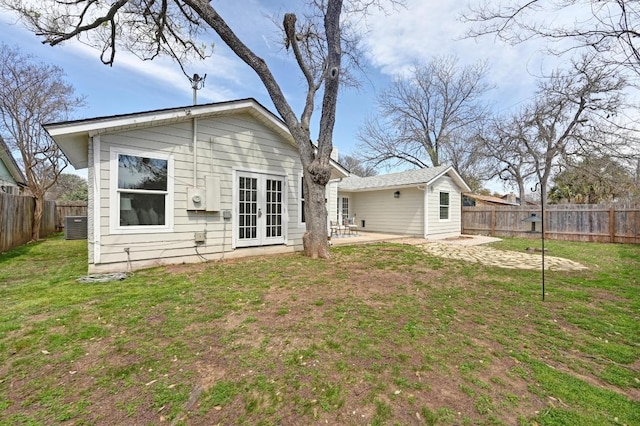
x=424, y=176
x=10, y=162
x=490, y=199
x=73, y=136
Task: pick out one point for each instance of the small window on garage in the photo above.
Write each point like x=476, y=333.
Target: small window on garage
x=444, y=206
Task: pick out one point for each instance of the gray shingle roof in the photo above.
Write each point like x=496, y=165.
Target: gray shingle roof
x=411, y=177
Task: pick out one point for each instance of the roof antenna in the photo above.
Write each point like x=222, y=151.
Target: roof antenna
x=197, y=83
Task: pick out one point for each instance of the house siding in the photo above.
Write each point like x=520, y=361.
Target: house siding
x=5, y=175
x=444, y=228
x=224, y=145
x=332, y=203
x=384, y=213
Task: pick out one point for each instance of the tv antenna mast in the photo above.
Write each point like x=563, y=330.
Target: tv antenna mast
x=197, y=83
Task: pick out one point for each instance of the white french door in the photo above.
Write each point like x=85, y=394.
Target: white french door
x=260, y=209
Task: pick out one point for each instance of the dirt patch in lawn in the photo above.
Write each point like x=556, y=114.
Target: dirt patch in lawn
x=306, y=340
x=382, y=336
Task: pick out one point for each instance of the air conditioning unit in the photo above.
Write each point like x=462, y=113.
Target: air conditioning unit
x=8, y=189
x=75, y=228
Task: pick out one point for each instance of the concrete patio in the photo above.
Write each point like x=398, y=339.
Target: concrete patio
x=468, y=248
x=375, y=237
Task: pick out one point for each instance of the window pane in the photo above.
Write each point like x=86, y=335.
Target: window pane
x=142, y=173
x=142, y=209
x=444, y=212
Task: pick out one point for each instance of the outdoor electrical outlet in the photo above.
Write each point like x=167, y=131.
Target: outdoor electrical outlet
x=126, y=250
x=200, y=237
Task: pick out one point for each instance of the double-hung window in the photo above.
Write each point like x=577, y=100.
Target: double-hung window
x=444, y=206
x=143, y=191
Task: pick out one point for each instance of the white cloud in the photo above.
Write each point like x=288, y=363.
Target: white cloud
x=432, y=28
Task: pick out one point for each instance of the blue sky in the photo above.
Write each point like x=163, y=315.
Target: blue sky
x=424, y=29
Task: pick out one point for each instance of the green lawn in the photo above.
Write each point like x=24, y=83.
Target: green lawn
x=381, y=334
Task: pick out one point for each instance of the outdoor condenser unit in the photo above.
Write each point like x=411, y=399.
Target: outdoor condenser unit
x=75, y=228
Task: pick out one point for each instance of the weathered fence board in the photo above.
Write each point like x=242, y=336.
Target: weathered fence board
x=69, y=208
x=571, y=222
x=16, y=220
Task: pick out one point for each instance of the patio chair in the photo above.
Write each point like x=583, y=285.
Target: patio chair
x=351, y=226
x=337, y=229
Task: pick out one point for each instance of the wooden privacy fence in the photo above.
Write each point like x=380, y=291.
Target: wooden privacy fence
x=16, y=220
x=569, y=222
x=69, y=208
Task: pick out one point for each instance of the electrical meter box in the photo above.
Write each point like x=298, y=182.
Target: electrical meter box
x=196, y=199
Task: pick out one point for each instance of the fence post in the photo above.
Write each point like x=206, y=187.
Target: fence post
x=612, y=225
x=493, y=222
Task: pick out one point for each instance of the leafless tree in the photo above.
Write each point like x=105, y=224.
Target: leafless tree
x=571, y=115
x=356, y=166
x=467, y=158
x=31, y=94
x=501, y=143
x=608, y=27
x=425, y=119
x=172, y=27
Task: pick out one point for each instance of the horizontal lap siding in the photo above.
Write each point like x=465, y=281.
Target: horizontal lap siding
x=383, y=212
x=234, y=142
x=436, y=226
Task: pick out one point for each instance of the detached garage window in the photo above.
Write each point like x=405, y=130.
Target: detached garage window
x=143, y=184
x=444, y=206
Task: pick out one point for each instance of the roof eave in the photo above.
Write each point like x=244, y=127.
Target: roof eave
x=453, y=174
x=73, y=136
x=12, y=165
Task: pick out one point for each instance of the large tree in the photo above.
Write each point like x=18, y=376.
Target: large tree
x=502, y=147
x=570, y=115
x=357, y=166
x=31, y=94
x=593, y=180
x=610, y=28
x=172, y=27
x=428, y=117
x=69, y=187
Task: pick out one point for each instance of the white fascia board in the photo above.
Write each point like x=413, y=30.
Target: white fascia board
x=455, y=176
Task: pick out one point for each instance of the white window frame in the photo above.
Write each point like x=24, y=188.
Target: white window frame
x=114, y=203
x=448, y=206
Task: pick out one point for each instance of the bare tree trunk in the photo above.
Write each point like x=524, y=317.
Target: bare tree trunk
x=315, y=238
x=522, y=191
x=317, y=169
x=37, y=217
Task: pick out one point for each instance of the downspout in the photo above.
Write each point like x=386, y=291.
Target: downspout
x=96, y=196
x=197, y=83
x=195, y=151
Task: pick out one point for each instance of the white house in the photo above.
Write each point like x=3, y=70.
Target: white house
x=425, y=203
x=187, y=184
x=12, y=180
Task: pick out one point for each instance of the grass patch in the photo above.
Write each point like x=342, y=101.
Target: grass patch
x=380, y=334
